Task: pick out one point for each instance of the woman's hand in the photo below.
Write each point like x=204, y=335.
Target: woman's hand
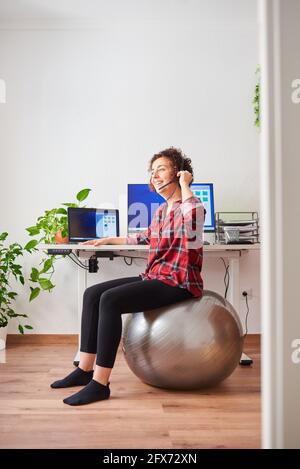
x=96, y=242
x=185, y=178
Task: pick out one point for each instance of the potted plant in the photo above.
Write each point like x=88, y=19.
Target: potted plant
x=9, y=268
x=51, y=227
x=256, y=99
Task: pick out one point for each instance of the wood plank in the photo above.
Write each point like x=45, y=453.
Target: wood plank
x=43, y=339
x=46, y=339
x=32, y=415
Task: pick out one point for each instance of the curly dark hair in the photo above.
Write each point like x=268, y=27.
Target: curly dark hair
x=178, y=160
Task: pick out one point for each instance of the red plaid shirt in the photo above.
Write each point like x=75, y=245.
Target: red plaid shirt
x=176, y=245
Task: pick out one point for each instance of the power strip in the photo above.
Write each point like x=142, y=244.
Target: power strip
x=59, y=252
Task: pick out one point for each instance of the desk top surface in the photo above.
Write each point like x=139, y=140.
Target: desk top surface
x=143, y=247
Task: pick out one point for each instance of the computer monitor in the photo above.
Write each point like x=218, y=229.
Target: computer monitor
x=92, y=223
x=142, y=204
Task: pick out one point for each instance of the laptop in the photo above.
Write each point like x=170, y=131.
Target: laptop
x=92, y=223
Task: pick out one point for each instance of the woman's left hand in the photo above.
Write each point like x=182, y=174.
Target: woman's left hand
x=185, y=178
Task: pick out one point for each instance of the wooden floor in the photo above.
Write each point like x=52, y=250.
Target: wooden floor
x=32, y=415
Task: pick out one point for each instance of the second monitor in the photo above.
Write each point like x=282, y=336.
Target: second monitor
x=142, y=203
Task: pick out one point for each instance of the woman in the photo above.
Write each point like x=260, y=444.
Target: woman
x=173, y=274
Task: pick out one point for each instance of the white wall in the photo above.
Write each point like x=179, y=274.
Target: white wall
x=89, y=102
x=280, y=169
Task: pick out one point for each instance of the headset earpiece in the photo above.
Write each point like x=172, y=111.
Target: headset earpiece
x=180, y=169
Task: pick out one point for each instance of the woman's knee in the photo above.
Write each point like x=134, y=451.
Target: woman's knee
x=93, y=293
x=89, y=294
x=108, y=302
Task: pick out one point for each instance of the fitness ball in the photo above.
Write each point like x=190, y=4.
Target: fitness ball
x=193, y=344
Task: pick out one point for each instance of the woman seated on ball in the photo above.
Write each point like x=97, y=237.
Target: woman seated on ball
x=173, y=274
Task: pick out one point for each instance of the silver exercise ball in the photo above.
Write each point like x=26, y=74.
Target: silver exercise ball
x=188, y=345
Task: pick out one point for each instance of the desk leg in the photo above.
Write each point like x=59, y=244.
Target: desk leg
x=234, y=296
x=81, y=287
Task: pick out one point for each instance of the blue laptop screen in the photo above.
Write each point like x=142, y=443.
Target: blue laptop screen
x=90, y=223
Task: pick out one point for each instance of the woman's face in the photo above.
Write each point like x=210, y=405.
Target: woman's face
x=162, y=172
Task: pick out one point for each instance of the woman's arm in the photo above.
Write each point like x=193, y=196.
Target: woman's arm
x=185, y=179
x=116, y=240
x=186, y=192
x=193, y=212
x=140, y=238
x=99, y=242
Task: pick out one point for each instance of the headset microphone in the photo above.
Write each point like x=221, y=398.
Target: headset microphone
x=170, y=182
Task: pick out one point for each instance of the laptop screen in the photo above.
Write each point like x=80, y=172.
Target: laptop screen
x=92, y=223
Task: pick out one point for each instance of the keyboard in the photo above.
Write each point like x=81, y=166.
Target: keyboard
x=239, y=242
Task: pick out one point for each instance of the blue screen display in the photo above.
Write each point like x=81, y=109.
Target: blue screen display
x=91, y=223
x=142, y=204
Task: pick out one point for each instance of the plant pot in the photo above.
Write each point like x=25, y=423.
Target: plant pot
x=3, y=336
x=59, y=239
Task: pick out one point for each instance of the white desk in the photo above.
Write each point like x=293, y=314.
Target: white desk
x=231, y=252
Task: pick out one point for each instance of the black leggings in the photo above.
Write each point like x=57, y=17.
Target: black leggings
x=103, y=304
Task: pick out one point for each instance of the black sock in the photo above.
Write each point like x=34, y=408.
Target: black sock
x=93, y=392
x=78, y=377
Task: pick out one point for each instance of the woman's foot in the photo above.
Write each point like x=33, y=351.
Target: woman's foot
x=78, y=377
x=93, y=392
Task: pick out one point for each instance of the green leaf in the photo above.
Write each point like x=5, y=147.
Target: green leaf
x=31, y=244
x=34, y=274
x=34, y=293
x=17, y=252
x=61, y=211
x=28, y=327
x=3, y=321
x=12, y=294
x=21, y=329
x=47, y=265
x=70, y=205
x=82, y=195
x=16, y=272
x=46, y=284
x=33, y=230
x=21, y=278
x=11, y=314
x=3, y=236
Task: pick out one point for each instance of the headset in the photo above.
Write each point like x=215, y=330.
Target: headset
x=175, y=178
